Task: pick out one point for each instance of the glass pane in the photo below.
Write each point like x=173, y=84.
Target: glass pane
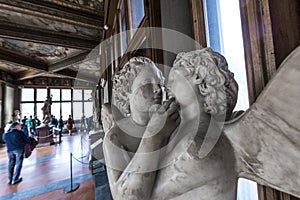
x=39, y=112
x=233, y=48
x=123, y=29
x=87, y=95
x=27, y=109
x=77, y=95
x=137, y=12
x=66, y=95
x=247, y=190
x=66, y=109
x=55, y=110
x=55, y=94
x=41, y=94
x=88, y=109
x=27, y=94
x=225, y=36
x=77, y=110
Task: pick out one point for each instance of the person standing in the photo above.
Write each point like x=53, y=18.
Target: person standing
x=29, y=123
x=83, y=123
x=60, y=126
x=15, y=140
x=36, y=123
x=70, y=123
x=24, y=126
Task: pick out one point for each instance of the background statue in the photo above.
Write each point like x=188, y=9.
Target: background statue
x=107, y=117
x=203, y=157
x=16, y=116
x=47, y=110
x=96, y=110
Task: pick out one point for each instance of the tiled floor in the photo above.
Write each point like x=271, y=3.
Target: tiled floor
x=47, y=172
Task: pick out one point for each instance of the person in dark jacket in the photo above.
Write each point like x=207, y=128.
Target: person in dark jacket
x=15, y=140
x=60, y=126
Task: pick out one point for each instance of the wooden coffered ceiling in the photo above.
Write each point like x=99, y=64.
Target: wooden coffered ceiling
x=51, y=38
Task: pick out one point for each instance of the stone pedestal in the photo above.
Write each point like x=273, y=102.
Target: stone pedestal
x=43, y=134
x=96, y=140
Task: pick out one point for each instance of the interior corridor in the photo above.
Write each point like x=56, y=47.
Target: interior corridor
x=47, y=172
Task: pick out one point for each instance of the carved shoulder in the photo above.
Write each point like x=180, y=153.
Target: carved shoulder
x=112, y=136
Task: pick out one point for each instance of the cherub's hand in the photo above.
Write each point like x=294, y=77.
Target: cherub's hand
x=164, y=121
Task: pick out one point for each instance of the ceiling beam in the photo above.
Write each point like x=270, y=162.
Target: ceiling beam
x=67, y=72
x=78, y=59
x=42, y=69
x=52, y=11
x=61, y=74
x=20, y=32
x=75, y=75
x=23, y=61
x=28, y=75
x=69, y=7
x=67, y=62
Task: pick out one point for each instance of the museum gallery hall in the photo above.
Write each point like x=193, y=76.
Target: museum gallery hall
x=76, y=75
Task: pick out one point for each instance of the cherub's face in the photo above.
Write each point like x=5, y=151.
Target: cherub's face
x=185, y=91
x=146, y=90
x=181, y=87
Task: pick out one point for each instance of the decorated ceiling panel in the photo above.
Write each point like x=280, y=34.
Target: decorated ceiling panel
x=50, y=38
x=11, y=68
x=97, y=5
x=41, y=23
x=48, y=54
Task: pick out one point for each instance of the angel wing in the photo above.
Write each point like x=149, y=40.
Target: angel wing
x=266, y=138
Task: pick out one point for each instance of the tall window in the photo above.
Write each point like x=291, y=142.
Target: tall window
x=39, y=112
x=66, y=109
x=137, y=12
x=62, y=102
x=123, y=29
x=27, y=94
x=77, y=111
x=55, y=94
x=66, y=94
x=27, y=105
x=225, y=36
x=41, y=94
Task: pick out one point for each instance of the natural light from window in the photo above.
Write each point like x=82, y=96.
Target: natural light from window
x=233, y=50
x=225, y=35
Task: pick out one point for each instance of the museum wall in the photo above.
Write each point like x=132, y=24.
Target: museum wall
x=271, y=30
x=180, y=21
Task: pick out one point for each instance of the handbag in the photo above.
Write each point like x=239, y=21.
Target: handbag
x=29, y=147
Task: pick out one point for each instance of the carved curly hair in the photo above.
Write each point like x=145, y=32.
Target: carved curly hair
x=123, y=80
x=210, y=72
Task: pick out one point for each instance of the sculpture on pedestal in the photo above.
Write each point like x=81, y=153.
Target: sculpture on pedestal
x=47, y=110
x=182, y=149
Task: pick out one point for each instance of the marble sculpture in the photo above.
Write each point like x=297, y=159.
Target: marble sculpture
x=186, y=147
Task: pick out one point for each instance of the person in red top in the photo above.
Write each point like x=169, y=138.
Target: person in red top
x=70, y=123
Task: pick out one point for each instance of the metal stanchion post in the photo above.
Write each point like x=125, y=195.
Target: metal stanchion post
x=74, y=186
x=81, y=148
